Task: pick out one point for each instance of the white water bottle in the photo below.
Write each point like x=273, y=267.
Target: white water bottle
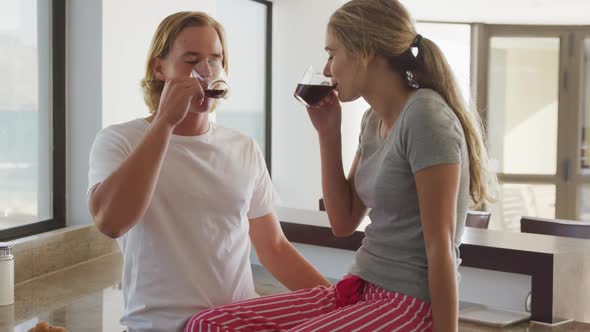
x=6, y=275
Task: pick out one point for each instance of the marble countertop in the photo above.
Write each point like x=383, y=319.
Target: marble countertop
x=88, y=297
x=524, y=241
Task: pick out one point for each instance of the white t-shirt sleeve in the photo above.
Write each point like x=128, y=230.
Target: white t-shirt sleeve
x=264, y=197
x=108, y=152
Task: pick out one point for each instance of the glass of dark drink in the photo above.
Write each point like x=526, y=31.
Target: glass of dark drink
x=313, y=87
x=217, y=85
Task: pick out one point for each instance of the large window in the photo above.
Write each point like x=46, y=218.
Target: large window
x=248, y=27
x=584, y=189
x=32, y=124
x=454, y=40
x=585, y=144
x=522, y=126
x=531, y=79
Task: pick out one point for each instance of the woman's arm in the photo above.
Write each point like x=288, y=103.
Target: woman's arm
x=343, y=205
x=438, y=187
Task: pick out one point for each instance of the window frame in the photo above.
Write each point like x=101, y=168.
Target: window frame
x=268, y=87
x=58, y=131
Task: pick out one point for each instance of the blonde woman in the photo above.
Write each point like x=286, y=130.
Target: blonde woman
x=420, y=160
x=186, y=197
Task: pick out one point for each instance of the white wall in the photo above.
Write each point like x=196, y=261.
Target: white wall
x=84, y=99
x=295, y=149
x=566, y=12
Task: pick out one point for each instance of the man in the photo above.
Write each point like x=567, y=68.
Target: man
x=185, y=197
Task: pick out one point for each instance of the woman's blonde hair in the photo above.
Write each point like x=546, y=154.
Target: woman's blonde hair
x=369, y=28
x=161, y=44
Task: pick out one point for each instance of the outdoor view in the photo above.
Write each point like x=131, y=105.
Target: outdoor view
x=24, y=121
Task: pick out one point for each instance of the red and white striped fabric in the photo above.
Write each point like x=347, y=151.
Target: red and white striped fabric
x=351, y=305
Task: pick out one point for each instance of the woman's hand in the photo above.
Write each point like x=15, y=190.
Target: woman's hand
x=326, y=115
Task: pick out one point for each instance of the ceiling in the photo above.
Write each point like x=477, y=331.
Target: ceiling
x=557, y=12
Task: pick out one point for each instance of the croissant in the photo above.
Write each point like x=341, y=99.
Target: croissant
x=45, y=327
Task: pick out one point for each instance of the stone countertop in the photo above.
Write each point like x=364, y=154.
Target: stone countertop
x=88, y=297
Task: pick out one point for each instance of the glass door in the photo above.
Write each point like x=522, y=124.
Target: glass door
x=523, y=93
x=581, y=132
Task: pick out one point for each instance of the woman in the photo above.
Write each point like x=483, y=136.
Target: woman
x=420, y=160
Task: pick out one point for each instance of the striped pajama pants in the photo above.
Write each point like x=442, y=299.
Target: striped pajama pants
x=350, y=305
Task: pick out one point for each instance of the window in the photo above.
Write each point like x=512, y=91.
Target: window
x=32, y=117
x=585, y=145
x=454, y=40
x=536, y=120
x=584, y=189
x=248, y=26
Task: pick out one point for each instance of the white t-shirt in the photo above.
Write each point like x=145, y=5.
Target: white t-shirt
x=191, y=250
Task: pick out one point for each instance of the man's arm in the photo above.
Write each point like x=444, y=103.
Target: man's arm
x=120, y=201
x=279, y=256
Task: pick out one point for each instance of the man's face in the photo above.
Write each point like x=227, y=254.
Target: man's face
x=194, y=48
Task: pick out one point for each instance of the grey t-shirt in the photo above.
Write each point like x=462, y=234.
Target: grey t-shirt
x=426, y=133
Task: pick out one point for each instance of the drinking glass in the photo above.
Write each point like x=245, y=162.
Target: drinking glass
x=217, y=85
x=313, y=87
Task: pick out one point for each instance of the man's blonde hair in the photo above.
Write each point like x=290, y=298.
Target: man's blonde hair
x=161, y=44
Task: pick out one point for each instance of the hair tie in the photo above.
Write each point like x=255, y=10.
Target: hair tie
x=417, y=40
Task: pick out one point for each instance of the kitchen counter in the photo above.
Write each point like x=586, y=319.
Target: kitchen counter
x=88, y=297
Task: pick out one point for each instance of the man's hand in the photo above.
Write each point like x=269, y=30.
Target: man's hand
x=176, y=98
x=279, y=256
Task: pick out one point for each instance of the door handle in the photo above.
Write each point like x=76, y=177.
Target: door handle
x=566, y=170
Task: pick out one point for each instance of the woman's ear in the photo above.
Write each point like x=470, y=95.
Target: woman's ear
x=365, y=60
x=158, y=69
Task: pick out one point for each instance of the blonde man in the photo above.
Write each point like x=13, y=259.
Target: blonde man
x=184, y=196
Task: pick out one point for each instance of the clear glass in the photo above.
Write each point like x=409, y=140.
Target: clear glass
x=517, y=200
x=585, y=140
x=312, y=87
x=245, y=26
x=523, y=104
x=25, y=134
x=216, y=84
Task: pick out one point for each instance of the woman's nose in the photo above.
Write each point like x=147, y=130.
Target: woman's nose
x=327, y=72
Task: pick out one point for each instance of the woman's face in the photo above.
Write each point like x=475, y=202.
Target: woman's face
x=194, y=48
x=344, y=68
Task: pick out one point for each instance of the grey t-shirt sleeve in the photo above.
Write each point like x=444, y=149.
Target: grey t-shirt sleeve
x=363, y=125
x=431, y=134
